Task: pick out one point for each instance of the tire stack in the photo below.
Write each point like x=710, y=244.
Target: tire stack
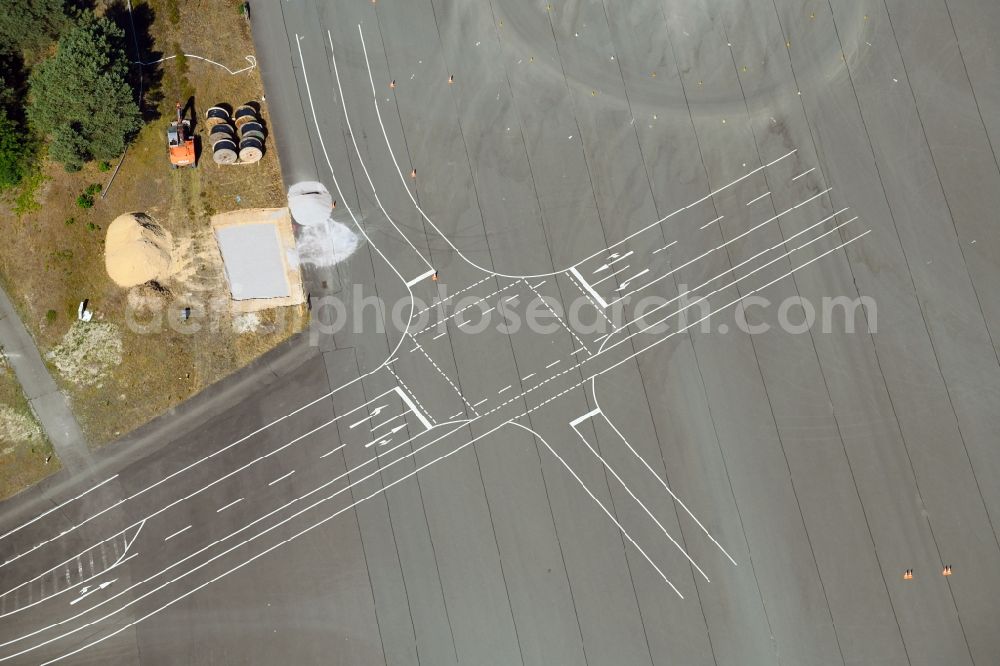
x=251, y=131
x=222, y=135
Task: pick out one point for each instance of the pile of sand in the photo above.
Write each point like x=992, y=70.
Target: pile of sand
x=136, y=250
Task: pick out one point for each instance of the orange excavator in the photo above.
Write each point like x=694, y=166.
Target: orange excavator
x=180, y=143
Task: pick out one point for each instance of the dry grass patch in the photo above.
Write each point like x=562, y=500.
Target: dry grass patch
x=23, y=446
x=52, y=258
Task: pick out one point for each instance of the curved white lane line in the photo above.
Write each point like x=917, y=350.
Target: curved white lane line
x=350, y=131
x=603, y=508
x=447, y=240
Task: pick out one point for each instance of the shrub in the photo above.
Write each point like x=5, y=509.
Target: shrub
x=51, y=315
x=81, y=95
x=104, y=166
x=85, y=201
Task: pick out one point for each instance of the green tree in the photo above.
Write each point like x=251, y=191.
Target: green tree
x=31, y=24
x=69, y=147
x=81, y=96
x=13, y=152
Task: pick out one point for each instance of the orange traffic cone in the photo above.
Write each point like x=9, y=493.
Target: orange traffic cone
x=908, y=574
x=333, y=205
x=392, y=84
x=413, y=173
x=946, y=571
x=435, y=276
x=451, y=78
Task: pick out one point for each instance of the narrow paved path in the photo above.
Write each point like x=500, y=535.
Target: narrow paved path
x=45, y=398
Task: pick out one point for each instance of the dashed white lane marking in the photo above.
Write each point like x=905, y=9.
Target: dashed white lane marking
x=281, y=478
x=803, y=173
x=590, y=300
x=233, y=503
x=722, y=245
x=539, y=284
x=558, y=318
x=511, y=298
x=668, y=245
x=690, y=205
x=527, y=377
x=461, y=310
x=505, y=388
x=554, y=363
x=446, y=378
x=456, y=415
x=480, y=402
x=728, y=272
x=708, y=224
x=752, y=201
x=441, y=334
x=451, y=296
x=574, y=353
x=180, y=531
x=402, y=479
x=412, y=401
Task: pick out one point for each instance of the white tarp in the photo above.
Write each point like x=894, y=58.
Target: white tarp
x=322, y=241
x=310, y=203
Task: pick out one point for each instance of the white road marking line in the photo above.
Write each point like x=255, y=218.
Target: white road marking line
x=388, y=420
x=559, y=319
x=589, y=299
x=627, y=281
x=56, y=508
x=379, y=439
x=422, y=276
x=611, y=275
x=233, y=503
x=725, y=244
x=527, y=377
x=451, y=296
x=758, y=198
x=375, y=412
x=602, y=337
x=441, y=334
x=446, y=378
x=281, y=478
x=580, y=419
x=668, y=489
x=84, y=595
x=456, y=415
x=665, y=247
x=459, y=325
x=480, y=402
x=732, y=270
x=505, y=388
x=553, y=363
x=586, y=286
x=690, y=205
x=512, y=298
x=649, y=513
x=803, y=173
x=603, y=508
x=539, y=284
x=413, y=408
x=180, y=531
x=574, y=353
x=708, y=224
x=627, y=254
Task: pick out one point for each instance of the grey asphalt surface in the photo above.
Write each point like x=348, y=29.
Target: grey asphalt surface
x=46, y=400
x=826, y=462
